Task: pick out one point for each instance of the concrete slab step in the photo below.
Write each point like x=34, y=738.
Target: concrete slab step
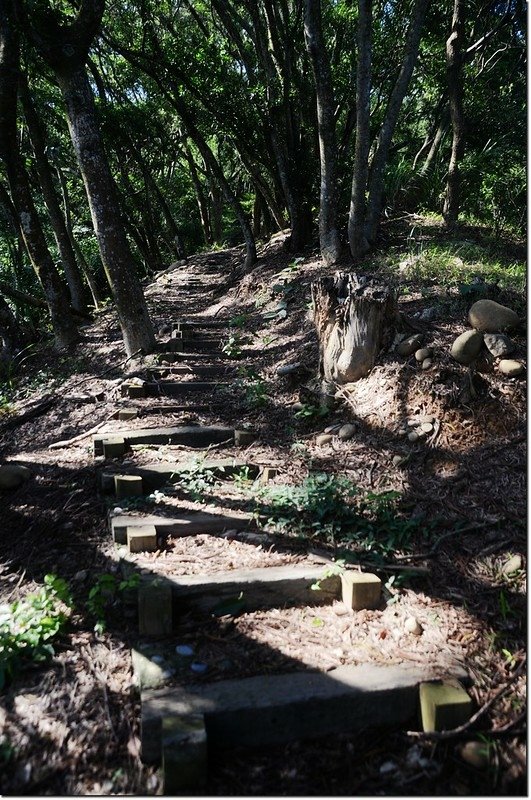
x=187, y=435
x=156, y=475
x=276, y=709
x=178, y=388
x=203, y=370
x=286, y=586
x=186, y=524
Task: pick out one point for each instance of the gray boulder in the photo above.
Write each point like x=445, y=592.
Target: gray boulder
x=467, y=346
x=490, y=317
x=13, y=475
x=347, y=431
x=408, y=346
x=498, y=344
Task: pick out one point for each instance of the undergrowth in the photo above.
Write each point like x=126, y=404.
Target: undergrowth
x=332, y=509
x=27, y=626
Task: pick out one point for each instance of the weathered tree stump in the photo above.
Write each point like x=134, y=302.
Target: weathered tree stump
x=355, y=318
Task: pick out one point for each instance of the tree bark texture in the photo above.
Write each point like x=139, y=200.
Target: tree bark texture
x=454, y=75
x=115, y=252
x=64, y=245
x=356, y=221
x=355, y=320
x=328, y=233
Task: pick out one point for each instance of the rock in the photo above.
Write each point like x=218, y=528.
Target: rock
x=323, y=438
x=402, y=431
x=399, y=460
x=347, y=431
x=413, y=436
x=429, y=314
x=423, y=353
x=409, y=345
x=491, y=317
x=426, y=427
x=297, y=406
x=81, y=575
x=426, y=418
x=467, y=347
x=13, y=475
x=288, y=369
x=511, y=368
x=333, y=428
x=513, y=565
x=498, y=344
x=412, y=625
x=476, y=754
x=412, y=423
x=426, y=364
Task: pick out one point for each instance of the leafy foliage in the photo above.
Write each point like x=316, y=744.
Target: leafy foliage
x=105, y=592
x=27, y=626
x=333, y=509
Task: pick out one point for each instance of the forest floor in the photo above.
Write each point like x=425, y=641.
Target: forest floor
x=457, y=516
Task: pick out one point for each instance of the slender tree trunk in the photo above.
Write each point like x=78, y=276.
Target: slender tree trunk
x=328, y=234
x=13, y=335
x=55, y=291
x=379, y=163
x=115, y=252
x=64, y=246
x=202, y=203
x=454, y=74
x=356, y=220
x=87, y=272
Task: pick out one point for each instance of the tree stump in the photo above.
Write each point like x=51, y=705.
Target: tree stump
x=355, y=318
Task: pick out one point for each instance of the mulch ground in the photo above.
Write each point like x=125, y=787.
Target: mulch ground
x=72, y=727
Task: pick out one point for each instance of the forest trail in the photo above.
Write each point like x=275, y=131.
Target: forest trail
x=192, y=473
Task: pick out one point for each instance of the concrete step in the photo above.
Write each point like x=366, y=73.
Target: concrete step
x=186, y=524
x=156, y=475
x=276, y=709
x=202, y=370
x=171, y=388
x=188, y=435
x=251, y=589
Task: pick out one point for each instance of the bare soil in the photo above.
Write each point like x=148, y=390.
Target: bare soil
x=72, y=726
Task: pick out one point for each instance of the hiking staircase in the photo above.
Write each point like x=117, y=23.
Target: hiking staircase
x=183, y=719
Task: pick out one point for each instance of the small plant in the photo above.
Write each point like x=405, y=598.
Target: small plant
x=256, y=393
x=233, y=344
x=310, y=411
x=268, y=339
x=337, y=568
x=238, y=321
x=196, y=480
x=242, y=478
x=104, y=593
x=28, y=625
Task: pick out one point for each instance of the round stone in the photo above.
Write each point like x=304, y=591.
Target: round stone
x=347, y=431
x=412, y=625
x=426, y=364
x=491, y=317
x=466, y=347
x=184, y=650
x=412, y=423
x=498, y=344
x=423, y=353
x=511, y=368
x=409, y=345
x=513, y=565
x=323, y=438
x=413, y=436
x=476, y=754
x=13, y=475
x=426, y=427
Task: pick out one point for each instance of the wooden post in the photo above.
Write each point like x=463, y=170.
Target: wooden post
x=355, y=320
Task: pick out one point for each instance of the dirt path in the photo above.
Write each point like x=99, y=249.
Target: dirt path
x=73, y=727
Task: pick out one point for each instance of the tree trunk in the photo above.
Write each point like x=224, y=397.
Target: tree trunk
x=87, y=272
x=355, y=320
x=115, y=252
x=13, y=335
x=379, y=163
x=328, y=234
x=55, y=291
x=454, y=74
x=202, y=203
x=356, y=220
x=64, y=245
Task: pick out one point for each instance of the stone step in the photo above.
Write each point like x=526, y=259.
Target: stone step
x=251, y=589
x=187, y=435
x=156, y=475
x=203, y=370
x=144, y=410
x=276, y=709
x=171, y=388
x=177, y=357
x=186, y=524
x=191, y=345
